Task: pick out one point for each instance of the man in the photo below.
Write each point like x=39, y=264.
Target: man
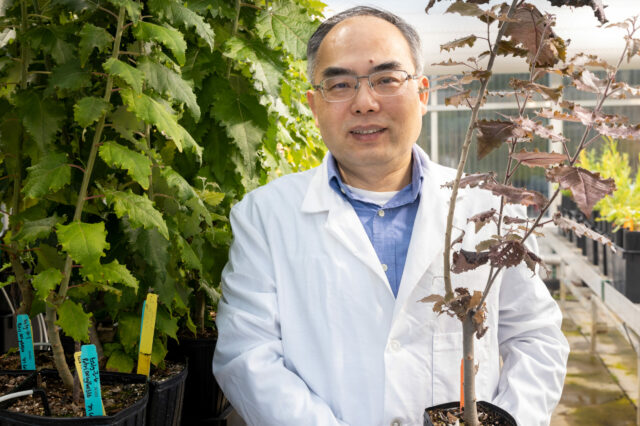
x=319, y=322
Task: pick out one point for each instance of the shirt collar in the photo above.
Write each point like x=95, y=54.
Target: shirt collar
x=408, y=194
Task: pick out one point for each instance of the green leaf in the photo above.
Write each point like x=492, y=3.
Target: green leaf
x=169, y=37
x=261, y=64
x=89, y=110
x=129, y=330
x=187, y=254
x=153, y=112
x=131, y=75
x=245, y=122
x=69, y=76
x=11, y=279
x=137, y=165
x=211, y=291
x=92, y=37
x=84, y=242
x=49, y=257
x=158, y=351
x=139, y=209
x=167, y=82
x=178, y=14
x=50, y=39
x=46, y=281
x=185, y=193
x=133, y=8
x=166, y=324
x=41, y=117
x=74, y=321
x=33, y=230
x=286, y=24
x=126, y=123
x=153, y=248
x=212, y=198
x=183, y=190
x=49, y=175
x=110, y=273
x=120, y=361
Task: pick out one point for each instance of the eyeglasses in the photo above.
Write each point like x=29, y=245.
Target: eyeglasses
x=344, y=87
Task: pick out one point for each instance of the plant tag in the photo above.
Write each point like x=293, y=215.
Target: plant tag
x=77, y=356
x=25, y=342
x=78, y=362
x=91, y=379
x=147, y=326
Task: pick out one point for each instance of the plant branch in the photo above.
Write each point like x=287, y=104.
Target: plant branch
x=250, y=5
x=104, y=9
x=463, y=158
x=16, y=263
x=234, y=31
x=62, y=291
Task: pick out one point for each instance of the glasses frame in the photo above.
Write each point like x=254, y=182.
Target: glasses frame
x=408, y=77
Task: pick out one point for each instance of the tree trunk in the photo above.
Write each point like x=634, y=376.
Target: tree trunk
x=470, y=407
x=56, y=348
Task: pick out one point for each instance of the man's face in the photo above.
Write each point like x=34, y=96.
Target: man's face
x=369, y=131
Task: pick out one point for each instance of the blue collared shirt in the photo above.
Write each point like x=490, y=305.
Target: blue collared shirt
x=388, y=227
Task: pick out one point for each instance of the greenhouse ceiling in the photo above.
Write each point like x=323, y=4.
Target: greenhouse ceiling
x=577, y=24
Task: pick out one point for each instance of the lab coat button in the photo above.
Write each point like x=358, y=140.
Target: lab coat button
x=381, y=213
x=396, y=422
x=384, y=267
x=394, y=345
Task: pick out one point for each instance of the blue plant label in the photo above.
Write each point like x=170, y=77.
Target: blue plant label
x=91, y=376
x=25, y=342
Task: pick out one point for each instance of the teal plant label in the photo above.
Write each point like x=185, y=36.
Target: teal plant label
x=91, y=376
x=25, y=342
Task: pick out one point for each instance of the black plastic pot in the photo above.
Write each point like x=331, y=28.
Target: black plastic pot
x=581, y=243
x=166, y=399
x=625, y=266
x=603, y=250
x=204, y=402
x=224, y=419
x=134, y=415
x=486, y=406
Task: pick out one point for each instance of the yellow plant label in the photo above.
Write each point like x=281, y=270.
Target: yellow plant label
x=76, y=357
x=149, y=310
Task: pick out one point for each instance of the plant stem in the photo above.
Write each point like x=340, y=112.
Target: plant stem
x=54, y=338
x=463, y=158
x=56, y=347
x=200, y=311
x=147, y=138
x=470, y=407
x=234, y=31
x=16, y=264
x=95, y=340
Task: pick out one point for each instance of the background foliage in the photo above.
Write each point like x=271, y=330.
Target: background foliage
x=127, y=131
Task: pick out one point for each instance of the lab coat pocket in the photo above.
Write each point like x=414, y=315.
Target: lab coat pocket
x=447, y=355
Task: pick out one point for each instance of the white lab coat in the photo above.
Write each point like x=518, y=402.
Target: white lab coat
x=311, y=334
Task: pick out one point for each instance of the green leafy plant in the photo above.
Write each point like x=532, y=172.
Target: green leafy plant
x=127, y=131
x=622, y=207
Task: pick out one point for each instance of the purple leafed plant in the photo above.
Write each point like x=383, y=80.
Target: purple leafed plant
x=524, y=31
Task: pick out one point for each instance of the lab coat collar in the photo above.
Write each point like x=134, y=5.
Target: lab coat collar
x=428, y=230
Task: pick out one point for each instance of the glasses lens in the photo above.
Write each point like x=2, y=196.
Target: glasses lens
x=339, y=88
x=388, y=82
